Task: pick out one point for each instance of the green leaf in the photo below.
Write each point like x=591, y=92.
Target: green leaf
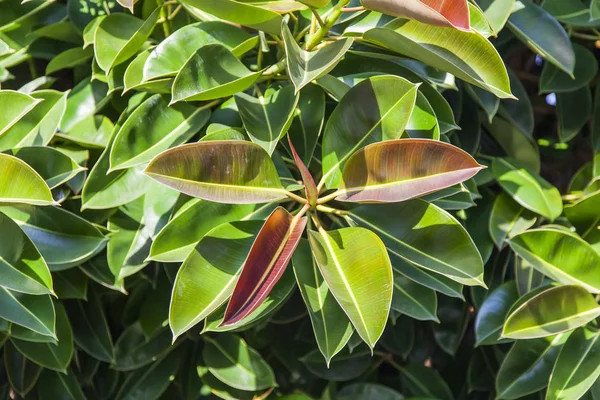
x=468, y=55
x=21, y=266
x=515, y=143
x=583, y=214
x=233, y=362
x=133, y=350
x=57, y=356
x=497, y=12
x=560, y=255
x=251, y=176
x=528, y=189
x=306, y=66
x=171, y=54
x=375, y=110
x=554, y=79
x=54, y=166
x=85, y=100
x=15, y=105
x=91, y=132
x=119, y=36
x=527, y=277
x=426, y=236
x=330, y=324
x=539, y=31
x=555, y=310
x=90, y=328
x=437, y=282
x=161, y=128
x=69, y=58
x=19, y=183
x=343, y=256
x=267, y=118
x=37, y=127
x=71, y=284
x=35, y=312
x=99, y=271
x=528, y=366
x=64, y=239
x=577, y=366
x=218, y=258
x=573, y=109
x=21, y=373
x=518, y=112
x=210, y=73
x=242, y=13
x=413, y=299
x=486, y=100
x=492, y=313
x=368, y=391
x=344, y=367
x=376, y=174
x=425, y=382
x=508, y=218
x=59, y=386
x=307, y=124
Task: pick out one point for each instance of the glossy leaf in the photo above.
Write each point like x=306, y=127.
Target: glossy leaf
x=516, y=144
x=453, y=320
x=453, y=13
x=236, y=364
x=555, y=80
x=416, y=239
x=21, y=373
x=573, y=109
x=16, y=105
x=497, y=12
x=343, y=257
x=528, y=189
x=344, y=367
x=19, y=183
x=413, y=299
x=492, y=313
x=425, y=382
x=508, y=218
x=307, y=124
x=372, y=174
x=266, y=262
x=450, y=50
x=376, y=109
x=518, y=112
x=559, y=255
x=247, y=174
x=555, y=310
x=583, y=214
x=69, y=58
x=212, y=72
x=133, y=350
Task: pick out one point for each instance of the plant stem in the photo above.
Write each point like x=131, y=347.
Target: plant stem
x=331, y=210
x=353, y=9
x=316, y=38
x=329, y=197
x=293, y=196
x=317, y=17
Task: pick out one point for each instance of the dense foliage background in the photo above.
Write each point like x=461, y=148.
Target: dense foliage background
x=121, y=245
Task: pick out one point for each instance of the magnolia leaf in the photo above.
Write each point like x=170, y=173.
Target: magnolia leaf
x=344, y=257
x=306, y=66
x=21, y=266
x=267, y=118
x=528, y=189
x=217, y=258
x=236, y=364
x=212, y=72
x=555, y=310
x=266, y=262
x=399, y=170
x=119, y=36
x=376, y=109
x=330, y=324
x=171, y=54
x=427, y=236
x=468, y=55
x=19, y=183
x=454, y=13
x=560, y=255
x=230, y=171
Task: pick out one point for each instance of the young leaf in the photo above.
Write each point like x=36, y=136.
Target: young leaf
x=399, y=170
x=555, y=310
x=19, y=183
x=231, y=171
x=454, y=13
x=310, y=186
x=330, y=324
x=345, y=256
x=266, y=262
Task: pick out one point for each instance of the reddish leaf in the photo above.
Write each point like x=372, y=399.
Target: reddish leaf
x=398, y=170
x=309, y=183
x=450, y=13
x=266, y=262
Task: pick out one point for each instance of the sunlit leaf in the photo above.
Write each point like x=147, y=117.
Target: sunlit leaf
x=19, y=183
x=453, y=13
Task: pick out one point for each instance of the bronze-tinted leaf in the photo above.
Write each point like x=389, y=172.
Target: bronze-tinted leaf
x=312, y=193
x=398, y=170
x=266, y=262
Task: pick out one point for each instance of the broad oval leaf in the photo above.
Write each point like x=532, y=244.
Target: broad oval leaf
x=63, y=385
x=555, y=80
x=21, y=373
x=231, y=171
x=92, y=132
x=344, y=257
x=15, y=105
x=583, y=214
x=497, y=12
x=516, y=144
x=233, y=362
x=574, y=109
x=577, y=366
x=266, y=262
x=218, y=258
x=306, y=126
x=368, y=391
x=468, y=55
x=212, y=72
x=133, y=350
x=34, y=312
x=19, y=183
x=555, y=310
x=69, y=58
x=508, y=218
x=454, y=13
x=560, y=255
x=413, y=299
x=426, y=382
x=492, y=313
x=330, y=324
x=376, y=109
x=152, y=128
x=399, y=170
x=528, y=189
x=428, y=236
x=21, y=266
